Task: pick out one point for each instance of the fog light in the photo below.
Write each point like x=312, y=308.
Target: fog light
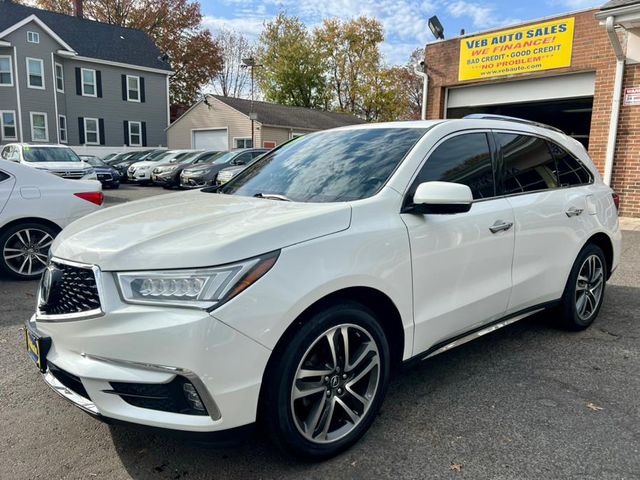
x=192, y=397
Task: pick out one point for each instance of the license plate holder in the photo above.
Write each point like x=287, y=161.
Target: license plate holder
x=37, y=348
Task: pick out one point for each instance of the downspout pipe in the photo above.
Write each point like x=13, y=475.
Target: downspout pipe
x=615, y=102
x=425, y=87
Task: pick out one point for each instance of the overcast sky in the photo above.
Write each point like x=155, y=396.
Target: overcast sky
x=404, y=21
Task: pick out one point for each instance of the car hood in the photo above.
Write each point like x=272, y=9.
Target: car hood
x=194, y=229
x=59, y=165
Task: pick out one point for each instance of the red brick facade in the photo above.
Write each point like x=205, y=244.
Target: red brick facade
x=592, y=52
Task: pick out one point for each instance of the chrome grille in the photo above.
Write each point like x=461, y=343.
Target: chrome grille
x=73, y=174
x=68, y=289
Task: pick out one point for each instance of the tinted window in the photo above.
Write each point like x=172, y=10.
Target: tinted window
x=462, y=159
x=570, y=170
x=3, y=176
x=330, y=166
x=528, y=164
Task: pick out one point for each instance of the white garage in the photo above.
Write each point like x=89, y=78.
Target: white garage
x=211, y=139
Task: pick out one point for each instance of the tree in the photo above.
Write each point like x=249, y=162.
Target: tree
x=175, y=27
x=385, y=98
x=292, y=68
x=351, y=49
x=233, y=79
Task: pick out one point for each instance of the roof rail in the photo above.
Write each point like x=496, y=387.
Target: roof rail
x=490, y=116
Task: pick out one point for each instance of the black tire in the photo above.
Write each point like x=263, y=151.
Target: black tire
x=277, y=409
x=115, y=186
x=8, y=240
x=571, y=317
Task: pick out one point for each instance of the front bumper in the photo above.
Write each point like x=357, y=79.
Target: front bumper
x=155, y=345
x=139, y=176
x=193, y=182
x=167, y=178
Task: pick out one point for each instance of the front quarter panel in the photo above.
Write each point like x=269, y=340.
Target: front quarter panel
x=373, y=252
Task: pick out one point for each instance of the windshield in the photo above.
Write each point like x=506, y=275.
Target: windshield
x=94, y=161
x=331, y=166
x=49, y=154
x=207, y=157
x=225, y=157
x=181, y=157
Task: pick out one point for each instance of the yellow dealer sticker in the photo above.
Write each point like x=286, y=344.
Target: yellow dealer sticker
x=520, y=50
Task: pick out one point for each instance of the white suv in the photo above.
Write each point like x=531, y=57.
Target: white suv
x=56, y=159
x=289, y=294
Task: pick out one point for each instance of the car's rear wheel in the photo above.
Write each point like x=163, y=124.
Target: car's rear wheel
x=25, y=248
x=328, y=385
x=585, y=288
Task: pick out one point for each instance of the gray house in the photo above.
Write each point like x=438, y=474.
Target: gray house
x=65, y=79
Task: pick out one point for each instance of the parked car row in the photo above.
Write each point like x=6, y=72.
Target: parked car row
x=166, y=168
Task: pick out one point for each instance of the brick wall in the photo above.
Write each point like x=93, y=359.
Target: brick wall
x=591, y=52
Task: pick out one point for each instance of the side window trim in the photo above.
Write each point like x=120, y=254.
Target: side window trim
x=500, y=172
x=492, y=149
x=577, y=160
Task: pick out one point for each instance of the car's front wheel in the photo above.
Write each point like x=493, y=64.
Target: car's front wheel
x=25, y=248
x=327, y=386
x=585, y=287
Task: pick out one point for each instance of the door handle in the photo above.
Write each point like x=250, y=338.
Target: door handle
x=499, y=226
x=574, y=211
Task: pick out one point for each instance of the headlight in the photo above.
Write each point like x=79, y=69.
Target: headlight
x=205, y=288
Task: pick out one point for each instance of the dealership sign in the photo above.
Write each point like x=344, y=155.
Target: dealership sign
x=631, y=96
x=543, y=46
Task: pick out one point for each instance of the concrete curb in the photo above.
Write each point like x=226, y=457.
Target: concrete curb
x=630, y=223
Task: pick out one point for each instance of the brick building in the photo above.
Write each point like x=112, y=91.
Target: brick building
x=571, y=71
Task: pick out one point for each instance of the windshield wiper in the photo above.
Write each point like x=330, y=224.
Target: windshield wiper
x=272, y=196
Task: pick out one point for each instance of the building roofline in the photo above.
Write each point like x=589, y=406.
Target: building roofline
x=201, y=101
x=513, y=25
x=617, y=11
x=44, y=26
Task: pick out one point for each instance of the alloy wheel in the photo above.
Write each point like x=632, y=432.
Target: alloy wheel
x=335, y=383
x=589, y=287
x=25, y=252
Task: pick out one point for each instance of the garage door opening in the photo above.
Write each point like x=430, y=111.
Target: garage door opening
x=572, y=115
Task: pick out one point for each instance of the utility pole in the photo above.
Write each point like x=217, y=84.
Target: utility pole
x=250, y=62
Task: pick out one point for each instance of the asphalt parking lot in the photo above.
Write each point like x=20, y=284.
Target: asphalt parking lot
x=526, y=402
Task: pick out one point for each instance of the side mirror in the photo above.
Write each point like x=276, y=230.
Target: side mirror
x=442, y=198
x=240, y=162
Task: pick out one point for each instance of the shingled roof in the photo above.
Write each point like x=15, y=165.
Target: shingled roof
x=91, y=39
x=294, y=117
x=618, y=3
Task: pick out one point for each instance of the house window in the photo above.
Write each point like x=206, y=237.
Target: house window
x=91, y=131
x=243, y=143
x=35, y=73
x=33, y=37
x=8, y=125
x=135, y=134
x=59, y=78
x=6, y=71
x=88, y=82
x=62, y=126
x=133, y=88
x=39, y=130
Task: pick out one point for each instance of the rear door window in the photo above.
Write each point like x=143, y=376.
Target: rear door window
x=527, y=162
x=464, y=159
x=570, y=170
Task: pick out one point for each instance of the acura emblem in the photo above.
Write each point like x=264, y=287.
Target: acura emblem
x=50, y=278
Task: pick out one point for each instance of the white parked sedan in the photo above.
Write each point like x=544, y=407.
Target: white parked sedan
x=288, y=295
x=34, y=207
